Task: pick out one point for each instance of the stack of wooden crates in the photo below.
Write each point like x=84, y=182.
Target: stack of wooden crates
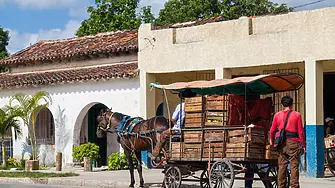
x=251, y=145
x=201, y=112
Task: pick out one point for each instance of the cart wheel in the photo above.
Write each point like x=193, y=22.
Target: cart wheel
x=204, y=179
x=222, y=175
x=272, y=175
x=330, y=159
x=172, y=177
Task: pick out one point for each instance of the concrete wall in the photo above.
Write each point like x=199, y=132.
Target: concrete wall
x=76, y=99
x=244, y=42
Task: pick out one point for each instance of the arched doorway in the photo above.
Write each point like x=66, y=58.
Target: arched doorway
x=45, y=127
x=85, y=130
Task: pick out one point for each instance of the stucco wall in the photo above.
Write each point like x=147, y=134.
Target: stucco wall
x=122, y=95
x=244, y=42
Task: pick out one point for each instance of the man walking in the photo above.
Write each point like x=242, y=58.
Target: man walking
x=293, y=144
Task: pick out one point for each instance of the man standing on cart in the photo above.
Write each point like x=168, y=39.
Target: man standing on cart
x=292, y=141
x=330, y=127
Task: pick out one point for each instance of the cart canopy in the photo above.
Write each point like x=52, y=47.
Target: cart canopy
x=260, y=85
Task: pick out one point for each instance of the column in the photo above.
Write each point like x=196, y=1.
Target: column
x=314, y=118
x=147, y=106
x=222, y=73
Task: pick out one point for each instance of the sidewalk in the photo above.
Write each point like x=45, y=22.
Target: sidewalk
x=153, y=179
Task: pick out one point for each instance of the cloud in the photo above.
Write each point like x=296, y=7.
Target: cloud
x=156, y=5
x=19, y=41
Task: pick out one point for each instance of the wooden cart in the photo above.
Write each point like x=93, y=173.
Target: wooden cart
x=330, y=154
x=218, y=150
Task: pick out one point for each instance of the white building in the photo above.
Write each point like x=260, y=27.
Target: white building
x=82, y=75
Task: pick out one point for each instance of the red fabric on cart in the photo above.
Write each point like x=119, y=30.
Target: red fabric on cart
x=260, y=108
x=236, y=110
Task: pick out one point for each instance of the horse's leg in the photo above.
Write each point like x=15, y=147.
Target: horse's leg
x=139, y=168
x=131, y=167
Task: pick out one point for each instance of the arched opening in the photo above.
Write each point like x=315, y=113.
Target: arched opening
x=85, y=131
x=45, y=127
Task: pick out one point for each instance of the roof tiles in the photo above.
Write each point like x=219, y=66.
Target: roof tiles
x=112, y=71
x=103, y=43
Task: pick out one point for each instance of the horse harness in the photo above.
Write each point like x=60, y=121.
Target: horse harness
x=125, y=130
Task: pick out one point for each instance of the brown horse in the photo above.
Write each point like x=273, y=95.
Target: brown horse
x=135, y=135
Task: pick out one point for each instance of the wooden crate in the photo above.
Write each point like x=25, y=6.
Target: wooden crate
x=193, y=136
x=271, y=152
x=214, y=136
x=253, y=151
x=192, y=150
x=217, y=103
x=193, y=120
x=216, y=119
x=254, y=135
x=176, y=150
x=214, y=150
x=194, y=104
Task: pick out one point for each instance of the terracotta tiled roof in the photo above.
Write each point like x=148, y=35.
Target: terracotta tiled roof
x=103, y=43
x=192, y=23
x=120, y=70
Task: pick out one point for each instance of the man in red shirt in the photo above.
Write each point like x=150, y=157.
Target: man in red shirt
x=290, y=150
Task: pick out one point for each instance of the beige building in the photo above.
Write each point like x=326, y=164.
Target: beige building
x=300, y=42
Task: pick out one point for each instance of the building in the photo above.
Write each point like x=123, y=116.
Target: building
x=300, y=42
x=82, y=75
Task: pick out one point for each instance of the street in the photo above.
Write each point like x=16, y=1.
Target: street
x=4, y=185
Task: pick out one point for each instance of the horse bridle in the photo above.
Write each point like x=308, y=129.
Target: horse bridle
x=108, y=123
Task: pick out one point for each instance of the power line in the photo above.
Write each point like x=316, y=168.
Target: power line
x=307, y=4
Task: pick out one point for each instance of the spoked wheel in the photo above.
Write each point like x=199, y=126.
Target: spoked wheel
x=204, y=179
x=272, y=176
x=172, y=177
x=222, y=175
x=331, y=160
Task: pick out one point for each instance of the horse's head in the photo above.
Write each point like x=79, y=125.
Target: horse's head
x=108, y=120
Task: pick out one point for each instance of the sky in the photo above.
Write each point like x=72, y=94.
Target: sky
x=29, y=21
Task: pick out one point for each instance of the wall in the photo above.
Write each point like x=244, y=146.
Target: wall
x=244, y=42
x=70, y=102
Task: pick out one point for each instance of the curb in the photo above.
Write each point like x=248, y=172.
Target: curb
x=70, y=182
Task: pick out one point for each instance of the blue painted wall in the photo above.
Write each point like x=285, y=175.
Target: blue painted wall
x=315, y=150
x=146, y=159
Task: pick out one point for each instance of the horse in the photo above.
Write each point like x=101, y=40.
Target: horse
x=135, y=135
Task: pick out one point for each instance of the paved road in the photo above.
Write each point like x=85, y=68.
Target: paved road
x=3, y=185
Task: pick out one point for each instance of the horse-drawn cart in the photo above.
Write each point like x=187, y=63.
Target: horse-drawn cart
x=226, y=130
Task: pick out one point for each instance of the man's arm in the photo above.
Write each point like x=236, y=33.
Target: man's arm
x=273, y=129
x=301, y=132
x=328, y=131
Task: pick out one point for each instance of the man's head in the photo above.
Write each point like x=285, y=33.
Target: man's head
x=287, y=101
x=330, y=121
x=187, y=93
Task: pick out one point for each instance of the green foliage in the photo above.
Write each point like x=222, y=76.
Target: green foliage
x=11, y=162
x=114, y=15
x=176, y=11
x=8, y=122
x=22, y=164
x=26, y=107
x=86, y=150
x=118, y=161
x=4, y=38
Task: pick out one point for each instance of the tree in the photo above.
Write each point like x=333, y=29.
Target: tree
x=176, y=11
x=113, y=15
x=7, y=122
x=4, y=38
x=27, y=107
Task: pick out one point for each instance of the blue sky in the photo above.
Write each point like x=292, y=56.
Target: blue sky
x=32, y=20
